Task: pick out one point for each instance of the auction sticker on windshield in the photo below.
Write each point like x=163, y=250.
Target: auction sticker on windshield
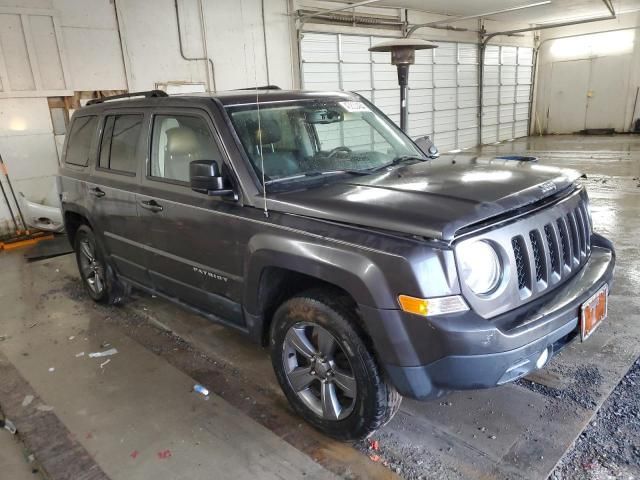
x=593, y=312
x=354, y=107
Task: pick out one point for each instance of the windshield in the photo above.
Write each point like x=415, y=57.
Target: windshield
x=305, y=139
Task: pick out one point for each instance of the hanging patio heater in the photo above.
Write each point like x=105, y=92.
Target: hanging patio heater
x=403, y=54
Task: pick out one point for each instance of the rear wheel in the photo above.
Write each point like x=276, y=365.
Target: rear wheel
x=325, y=369
x=97, y=276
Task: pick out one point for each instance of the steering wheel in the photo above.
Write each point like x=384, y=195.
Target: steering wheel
x=341, y=148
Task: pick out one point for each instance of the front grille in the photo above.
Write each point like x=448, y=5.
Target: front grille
x=521, y=265
x=541, y=249
x=538, y=256
x=554, y=250
x=552, y=245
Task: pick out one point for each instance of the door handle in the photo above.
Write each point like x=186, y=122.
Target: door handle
x=151, y=205
x=96, y=192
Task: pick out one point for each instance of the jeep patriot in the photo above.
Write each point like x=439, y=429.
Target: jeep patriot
x=309, y=221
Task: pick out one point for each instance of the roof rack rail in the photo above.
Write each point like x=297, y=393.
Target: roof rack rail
x=262, y=87
x=146, y=94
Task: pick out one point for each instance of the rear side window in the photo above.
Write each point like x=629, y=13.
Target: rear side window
x=81, y=136
x=120, y=142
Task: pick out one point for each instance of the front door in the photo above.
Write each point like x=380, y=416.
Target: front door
x=193, y=239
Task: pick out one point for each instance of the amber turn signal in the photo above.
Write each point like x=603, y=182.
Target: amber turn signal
x=418, y=306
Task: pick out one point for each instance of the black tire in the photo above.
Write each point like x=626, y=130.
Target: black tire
x=98, y=277
x=374, y=403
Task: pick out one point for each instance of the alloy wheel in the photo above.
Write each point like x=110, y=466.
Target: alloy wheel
x=319, y=371
x=92, y=269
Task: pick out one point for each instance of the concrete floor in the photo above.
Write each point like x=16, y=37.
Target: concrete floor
x=130, y=412
x=13, y=461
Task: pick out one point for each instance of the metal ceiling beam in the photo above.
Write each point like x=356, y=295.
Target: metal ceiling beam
x=324, y=12
x=471, y=17
x=544, y=26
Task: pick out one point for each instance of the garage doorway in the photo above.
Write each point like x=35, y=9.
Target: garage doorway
x=585, y=95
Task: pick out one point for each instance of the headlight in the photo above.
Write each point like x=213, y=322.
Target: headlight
x=480, y=266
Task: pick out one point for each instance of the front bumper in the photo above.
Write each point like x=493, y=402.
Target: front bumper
x=428, y=357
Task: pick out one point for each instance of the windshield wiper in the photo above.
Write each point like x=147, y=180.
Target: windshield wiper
x=396, y=161
x=315, y=173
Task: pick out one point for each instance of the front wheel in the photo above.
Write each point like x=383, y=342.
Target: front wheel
x=98, y=278
x=325, y=369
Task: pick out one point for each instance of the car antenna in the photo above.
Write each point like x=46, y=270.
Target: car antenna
x=264, y=187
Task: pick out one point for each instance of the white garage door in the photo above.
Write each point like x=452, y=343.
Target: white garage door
x=443, y=96
x=507, y=91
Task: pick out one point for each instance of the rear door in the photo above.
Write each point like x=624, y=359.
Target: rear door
x=113, y=190
x=194, y=240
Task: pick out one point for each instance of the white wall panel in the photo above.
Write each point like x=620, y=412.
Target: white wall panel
x=444, y=75
x=508, y=75
x=507, y=80
x=467, y=118
x=385, y=76
x=320, y=47
x=520, y=129
x=445, y=140
x=420, y=100
x=489, y=133
x=467, y=75
x=356, y=76
x=468, y=138
x=491, y=76
x=445, y=99
x=421, y=76
x=490, y=95
x=490, y=116
x=467, y=97
x=445, y=121
x=355, y=49
x=88, y=70
x=321, y=76
x=506, y=113
x=507, y=94
x=505, y=131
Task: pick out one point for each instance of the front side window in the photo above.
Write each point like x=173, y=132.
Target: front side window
x=177, y=141
x=302, y=139
x=120, y=141
x=81, y=136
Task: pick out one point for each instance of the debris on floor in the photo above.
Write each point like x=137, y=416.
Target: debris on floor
x=106, y=353
x=200, y=389
x=164, y=454
x=102, y=365
x=27, y=400
x=8, y=425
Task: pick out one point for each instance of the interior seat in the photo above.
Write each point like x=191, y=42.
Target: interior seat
x=182, y=148
x=276, y=163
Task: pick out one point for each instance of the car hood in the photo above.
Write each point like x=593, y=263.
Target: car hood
x=433, y=199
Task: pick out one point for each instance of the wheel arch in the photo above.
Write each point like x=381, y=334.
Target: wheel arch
x=279, y=269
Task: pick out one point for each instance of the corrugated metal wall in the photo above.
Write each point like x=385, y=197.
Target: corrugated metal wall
x=443, y=97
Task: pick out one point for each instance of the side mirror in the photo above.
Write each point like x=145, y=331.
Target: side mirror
x=205, y=177
x=425, y=144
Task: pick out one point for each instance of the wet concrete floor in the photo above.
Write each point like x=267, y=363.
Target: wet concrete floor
x=516, y=431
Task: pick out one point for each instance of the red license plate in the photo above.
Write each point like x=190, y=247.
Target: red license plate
x=593, y=312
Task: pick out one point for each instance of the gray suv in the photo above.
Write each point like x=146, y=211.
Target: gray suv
x=311, y=223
